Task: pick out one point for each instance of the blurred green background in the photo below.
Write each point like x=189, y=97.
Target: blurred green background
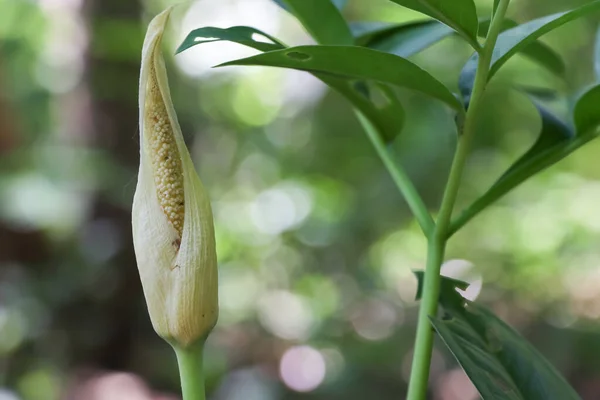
x=315, y=244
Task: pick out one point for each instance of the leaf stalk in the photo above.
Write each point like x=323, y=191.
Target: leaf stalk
x=401, y=179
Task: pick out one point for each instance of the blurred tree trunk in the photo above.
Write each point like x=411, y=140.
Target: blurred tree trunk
x=112, y=68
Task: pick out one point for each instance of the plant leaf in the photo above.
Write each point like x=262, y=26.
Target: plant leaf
x=403, y=40
x=501, y=363
x=355, y=63
x=322, y=20
x=377, y=102
x=586, y=114
x=597, y=56
x=513, y=40
x=364, y=31
x=244, y=35
x=538, y=92
x=516, y=39
x=446, y=285
x=407, y=39
x=496, y=4
x=553, y=132
x=460, y=15
x=556, y=141
x=536, y=50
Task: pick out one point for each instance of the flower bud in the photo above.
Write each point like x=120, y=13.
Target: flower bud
x=173, y=232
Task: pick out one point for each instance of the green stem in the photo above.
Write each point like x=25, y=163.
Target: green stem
x=191, y=371
x=437, y=240
x=402, y=181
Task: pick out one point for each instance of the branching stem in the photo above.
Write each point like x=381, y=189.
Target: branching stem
x=437, y=240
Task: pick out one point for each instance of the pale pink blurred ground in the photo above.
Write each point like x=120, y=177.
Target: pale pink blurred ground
x=112, y=386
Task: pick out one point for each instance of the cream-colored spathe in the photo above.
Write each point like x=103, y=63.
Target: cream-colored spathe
x=174, y=243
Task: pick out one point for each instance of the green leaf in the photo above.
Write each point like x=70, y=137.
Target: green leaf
x=518, y=38
x=554, y=132
x=514, y=40
x=377, y=102
x=244, y=35
x=556, y=141
x=536, y=50
x=403, y=40
x=501, y=363
x=460, y=15
x=496, y=4
x=407, y=39
x=586, y=114
x=597, y=56
x=322, y=20
x=447, y=285
x=355, y=63
x=538, y=92
x=327, y=26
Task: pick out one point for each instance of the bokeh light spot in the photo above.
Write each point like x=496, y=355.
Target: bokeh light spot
x=280, y=208
x=285, y=314
x=12, y=329
x=40, y=384
x=455, y=385
x=375, y=320
x=302, y=368
x=7, y=395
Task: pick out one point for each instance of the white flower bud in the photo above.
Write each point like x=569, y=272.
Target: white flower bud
x=173, y=232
